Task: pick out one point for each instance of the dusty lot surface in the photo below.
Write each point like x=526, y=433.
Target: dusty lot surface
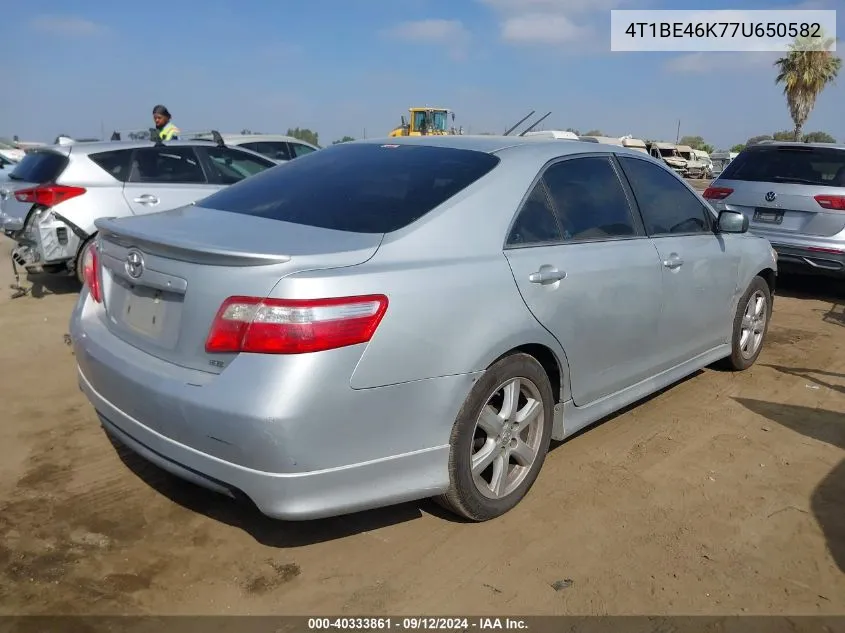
x=722, y=495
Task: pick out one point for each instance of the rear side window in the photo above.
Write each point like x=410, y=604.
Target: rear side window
x=116, y=163
x=274, y=150
x=362, y=188
x=820, y=166
x=39, y=167
x=589, y=199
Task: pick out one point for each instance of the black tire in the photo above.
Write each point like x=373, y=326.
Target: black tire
x=80, y=256
x=463, y=496
x=739, y=361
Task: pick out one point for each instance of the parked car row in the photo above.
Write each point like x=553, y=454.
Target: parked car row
x=51, y=200
x=392, y=319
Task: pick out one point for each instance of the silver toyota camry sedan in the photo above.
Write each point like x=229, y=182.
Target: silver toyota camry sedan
x=395, y=319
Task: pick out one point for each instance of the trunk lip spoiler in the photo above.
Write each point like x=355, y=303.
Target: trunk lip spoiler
x=182, y=248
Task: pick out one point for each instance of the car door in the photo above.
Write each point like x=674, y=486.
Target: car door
x=700, y=267
x=228, y=165
x=165, y=177
x=588, y=274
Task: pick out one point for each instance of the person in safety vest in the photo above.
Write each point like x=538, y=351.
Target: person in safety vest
x=166, y=130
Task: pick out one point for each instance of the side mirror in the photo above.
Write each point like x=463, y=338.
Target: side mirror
x=732, y=222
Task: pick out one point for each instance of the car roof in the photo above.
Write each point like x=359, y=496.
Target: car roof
x=240, y=138
x=106, y=146
x=797, y=144
x=542, y=148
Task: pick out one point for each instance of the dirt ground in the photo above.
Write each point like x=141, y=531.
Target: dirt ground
x=722, y=495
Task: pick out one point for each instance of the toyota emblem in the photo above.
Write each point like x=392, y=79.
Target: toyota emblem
x=134, y=264
x=770, y=197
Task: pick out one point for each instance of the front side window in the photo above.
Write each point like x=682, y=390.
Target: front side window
x=177, y=165
x=667, y=206
x=301, y=150
x=230, y=165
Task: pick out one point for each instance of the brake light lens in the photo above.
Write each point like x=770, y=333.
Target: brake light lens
x=48, y=195
x=834, y=203
x=717, y=193
x=288, y=326
x=91, y=273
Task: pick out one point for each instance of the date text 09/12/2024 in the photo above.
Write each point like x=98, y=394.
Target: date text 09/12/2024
x=416, y=624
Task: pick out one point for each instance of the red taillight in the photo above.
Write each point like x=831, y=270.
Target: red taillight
x=834, y=203
x=289, y=326
x=717, y=193
x=91, y=272
x=48, y=195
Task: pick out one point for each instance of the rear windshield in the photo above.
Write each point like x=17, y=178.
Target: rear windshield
x=820, y=166
x=363, y=188
x=39, y=167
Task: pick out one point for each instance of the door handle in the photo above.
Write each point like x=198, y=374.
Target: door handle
x=146, y=199
x=673, y=262
x=546, y=276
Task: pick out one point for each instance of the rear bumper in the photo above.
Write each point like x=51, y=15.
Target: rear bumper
x=322, y=449
x=822, y=260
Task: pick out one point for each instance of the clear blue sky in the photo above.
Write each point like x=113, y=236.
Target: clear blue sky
x=341, y=67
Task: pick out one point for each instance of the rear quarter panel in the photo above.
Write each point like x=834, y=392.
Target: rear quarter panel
x=454, y=306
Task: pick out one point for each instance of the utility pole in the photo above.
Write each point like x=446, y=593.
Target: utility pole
x=678, y=135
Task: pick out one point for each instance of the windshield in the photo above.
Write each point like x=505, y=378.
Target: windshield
x=670, y=153
x=687, y=155
x=363, y=188
x=805, y=165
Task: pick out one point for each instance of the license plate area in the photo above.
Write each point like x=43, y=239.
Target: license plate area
x=768, y=216
x=145, y=313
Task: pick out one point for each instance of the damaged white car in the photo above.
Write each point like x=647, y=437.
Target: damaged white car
x=51, y=199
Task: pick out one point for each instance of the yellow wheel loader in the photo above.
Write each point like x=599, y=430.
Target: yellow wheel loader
x=427, y=121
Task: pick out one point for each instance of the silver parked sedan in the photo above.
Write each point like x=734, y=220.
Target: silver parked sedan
x=389, y=320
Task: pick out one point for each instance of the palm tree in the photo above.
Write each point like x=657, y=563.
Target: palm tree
x=805, y=71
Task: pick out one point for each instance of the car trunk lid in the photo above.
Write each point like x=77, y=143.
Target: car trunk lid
x=165, y=275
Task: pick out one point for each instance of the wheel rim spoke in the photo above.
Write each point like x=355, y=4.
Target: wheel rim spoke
x=484, y=457
x=523, y=454
x=490, y=421
x=510, y=400
x=528, y=414
x=500, y=474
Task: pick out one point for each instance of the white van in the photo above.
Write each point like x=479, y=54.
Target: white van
x=721, y=160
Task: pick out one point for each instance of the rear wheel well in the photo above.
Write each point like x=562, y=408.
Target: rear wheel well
x=548, y=361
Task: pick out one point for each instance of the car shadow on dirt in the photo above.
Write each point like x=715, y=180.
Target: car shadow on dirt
x=828, y=499
x=243, y=514
x=800, y=286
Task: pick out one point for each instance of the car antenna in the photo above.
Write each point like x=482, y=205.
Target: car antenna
x=520, y=122
x=155, y=136
x=535, y=124
x=115, y=136
x=217, y=138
